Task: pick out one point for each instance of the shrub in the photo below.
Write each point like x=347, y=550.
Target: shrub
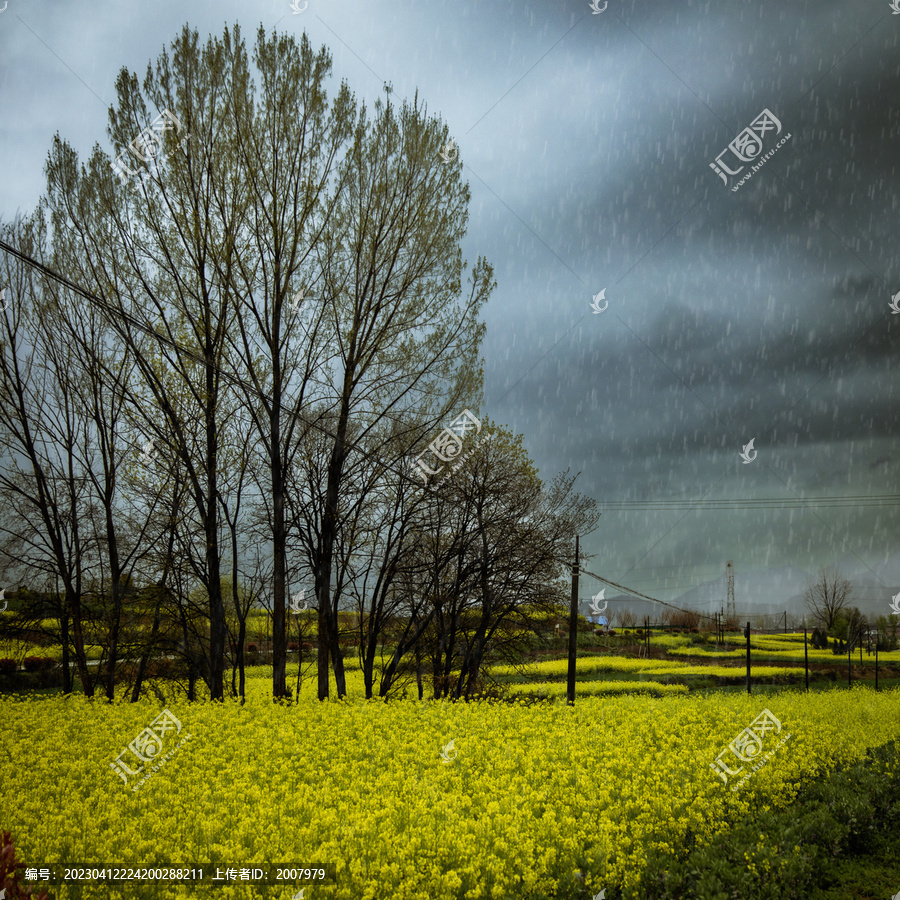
x=252, y=648
x=38, y=663
x=819, y=639
x=678, y=618
x=7, y=667
x=841, y=815
x=160, y=668
x=292, y=646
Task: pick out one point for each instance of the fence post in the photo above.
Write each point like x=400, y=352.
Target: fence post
x=876, y=661
x=806, y=659
x=748, y=657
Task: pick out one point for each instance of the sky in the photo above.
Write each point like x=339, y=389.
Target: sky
x=731, y=311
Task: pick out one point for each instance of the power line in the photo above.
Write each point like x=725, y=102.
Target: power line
x=102, y=304
x=885, y=499
x=754, y=503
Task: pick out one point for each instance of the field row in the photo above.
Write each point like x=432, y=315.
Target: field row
x=523, y=800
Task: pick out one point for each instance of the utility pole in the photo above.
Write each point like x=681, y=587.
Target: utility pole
x=729, y=582
x=806, y=659
x=573, y=629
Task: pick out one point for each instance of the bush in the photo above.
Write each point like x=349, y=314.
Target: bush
x=38, y=663
x=678, y=618
x=252, y=648
x=7, y=667
x=160, y=668
x=819, y=639
x=292, y=646
x=841, y=815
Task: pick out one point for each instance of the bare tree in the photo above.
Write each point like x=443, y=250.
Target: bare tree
x=406, y=338
x=495, y=540
x=41, y=480
x=826, y=595
x=286, y=140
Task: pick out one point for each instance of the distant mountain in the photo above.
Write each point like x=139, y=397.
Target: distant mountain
x=873, y=586
x=755, y=592
x=771, y=591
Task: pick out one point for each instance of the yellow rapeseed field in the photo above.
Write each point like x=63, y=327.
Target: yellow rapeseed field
x=588, y=665
x=535, y=794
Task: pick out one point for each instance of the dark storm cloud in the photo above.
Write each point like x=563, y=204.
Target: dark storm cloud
x=587, y=141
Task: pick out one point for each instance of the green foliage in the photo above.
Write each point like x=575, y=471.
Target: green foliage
x=784, y=854
x=38, y=663
x=819, y=639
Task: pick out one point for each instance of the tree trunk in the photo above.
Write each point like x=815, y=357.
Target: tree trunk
x=149, y=646
x=64, y=636
x=217, y=627
x=279, y=644
x=115, y=575
x=73, y=601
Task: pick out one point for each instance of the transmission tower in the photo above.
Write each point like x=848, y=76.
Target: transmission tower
x=729, y=583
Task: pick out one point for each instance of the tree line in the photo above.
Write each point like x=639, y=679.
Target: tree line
x=216, y=368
